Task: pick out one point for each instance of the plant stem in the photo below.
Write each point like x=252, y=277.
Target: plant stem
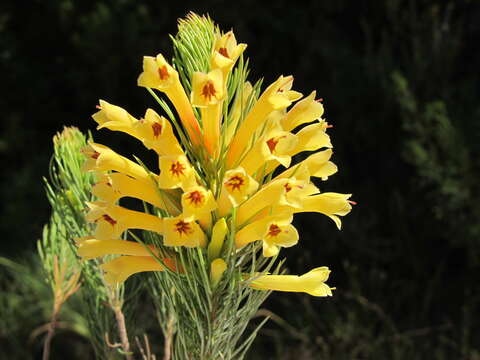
x=48, y=338
x=122, y=331
x=167, y=351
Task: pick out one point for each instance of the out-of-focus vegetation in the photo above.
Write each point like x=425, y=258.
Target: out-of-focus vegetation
x=401, y=86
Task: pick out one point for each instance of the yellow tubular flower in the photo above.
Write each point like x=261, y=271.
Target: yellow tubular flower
x=183, y=231
x=305, y=111
x=312, y=283
x=276, y=97
x=199, y=202
x=92, y=248
x=316, y=165
x=175, y=172
x=156, y=133
x=331, y=204
x=269, y=195
x=275, y=231
x=120, y=269
x=217, y=268
x=296, y=191
x=208, y=93
x=114, y=186
x=113, y=220
x=158, y=74
x=226, y=52
x=219, y=232
x=114, y=118
x=237, y=185
x=276, y=146
x=310, y=138
x=102, y=158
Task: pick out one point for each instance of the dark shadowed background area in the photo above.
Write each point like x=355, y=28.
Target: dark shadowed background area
x=400, y=83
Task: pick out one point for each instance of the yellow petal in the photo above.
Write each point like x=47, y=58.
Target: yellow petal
x=237, y=185
x=120, y=269
x=275, y=231
x=158, y=74
x=183, y=231
x=317, y=165
x=270, y=194
x=114, y=118
x=93, y=248
x=305, y=111
x=330, y=204
x=279, y=235
x=175, y=172
x=114, y=186
x=113, y=220
x=208, y=93
x=197, y=200
x=219, y=232
x=277, y=96
x=275, y=145
x=217, y=268
x=226, y=52
x=101, y=158
x=311, y=138
x=207, y=89
x=156, y=133
x=312, y=283
x=296, y=191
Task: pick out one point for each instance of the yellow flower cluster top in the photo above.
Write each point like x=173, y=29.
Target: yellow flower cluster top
x=231, y=173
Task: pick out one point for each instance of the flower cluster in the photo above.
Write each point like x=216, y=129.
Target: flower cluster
x=225, y=172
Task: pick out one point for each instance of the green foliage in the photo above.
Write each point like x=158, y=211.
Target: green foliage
x=193, y=46
x=444, y=169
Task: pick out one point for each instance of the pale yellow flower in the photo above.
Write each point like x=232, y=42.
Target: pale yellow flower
x=217, y=268
x=102, y=158
x=114, y=186
x=219, y=231
x=226, y=51
x=275, y=231
x=208, y=92
x=269, y=195
x=156, y=133
x=316, y=165
x=237, y=186
x=175, y=172
x=276, y=145
x=113, y=220
x=312, y=283
x=285, y=192
x=114, y=118
x=121, y=268
x=158, y=74
x=93, y=248
x=331, y=204
x=197, y=201
x=276, y=97
x=305, y=111
x=183, y=231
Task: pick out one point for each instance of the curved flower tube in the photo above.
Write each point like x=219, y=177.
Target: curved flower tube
x=312, y=283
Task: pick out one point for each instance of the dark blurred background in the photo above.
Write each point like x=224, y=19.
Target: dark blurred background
x=400, y=83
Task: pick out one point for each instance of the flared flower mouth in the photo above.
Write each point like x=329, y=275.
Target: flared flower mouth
x=228, y=179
